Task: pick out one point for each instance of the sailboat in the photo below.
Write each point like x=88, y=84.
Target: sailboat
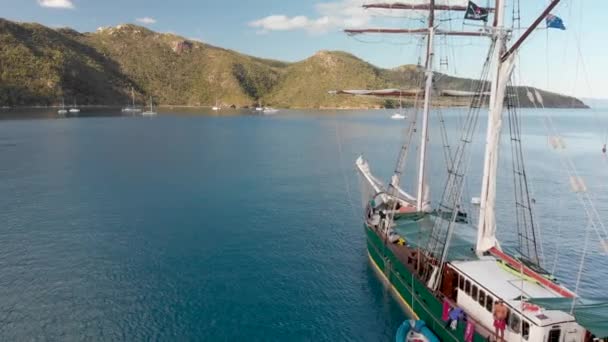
x=398, y=116
x=259, y=107
x=432, y=268
x=62, y=110
x=131, y=108
x=270, y=110
x=74, y=109
x=151, y=111
x=216, y=107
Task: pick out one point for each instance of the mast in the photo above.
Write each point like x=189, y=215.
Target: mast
x=426, y=108
x=503, y=61
x=133, y=97
x=486, y=231
x=430, y=31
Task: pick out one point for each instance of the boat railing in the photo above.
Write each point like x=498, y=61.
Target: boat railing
x=479, y=328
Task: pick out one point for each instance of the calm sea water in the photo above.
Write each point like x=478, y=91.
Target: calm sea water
x=189, y=226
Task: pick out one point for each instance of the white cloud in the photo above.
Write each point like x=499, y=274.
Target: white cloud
x=146, y=20
x=330, y=15
x=56, y=3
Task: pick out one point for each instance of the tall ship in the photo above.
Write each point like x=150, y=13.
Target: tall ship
x=422, y=251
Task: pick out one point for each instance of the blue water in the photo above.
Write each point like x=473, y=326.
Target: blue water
x=189, y=226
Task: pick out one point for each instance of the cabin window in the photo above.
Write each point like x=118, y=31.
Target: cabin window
x=482, y=298
x=515, y=323
x=554, y=335
x=489, y=303
x=461, y=282
x=467, y=287
x=525, y=330
x=474, y=292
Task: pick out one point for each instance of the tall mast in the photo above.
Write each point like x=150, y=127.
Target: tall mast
x=486, y=231
x=427, y=103
x=430, y=31
x=503, y=61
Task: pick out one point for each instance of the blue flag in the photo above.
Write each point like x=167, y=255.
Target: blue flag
x=554, y=21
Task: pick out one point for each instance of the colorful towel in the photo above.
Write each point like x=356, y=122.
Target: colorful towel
x=446, y=311
x=469, y=331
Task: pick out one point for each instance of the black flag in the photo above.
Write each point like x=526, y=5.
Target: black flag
x=475, y=12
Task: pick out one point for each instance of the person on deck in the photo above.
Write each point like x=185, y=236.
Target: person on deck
x=604, y=149
x=500, y=313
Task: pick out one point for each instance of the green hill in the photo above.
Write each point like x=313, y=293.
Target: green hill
x=40, y=66
x=306, y=84
x=183, y=72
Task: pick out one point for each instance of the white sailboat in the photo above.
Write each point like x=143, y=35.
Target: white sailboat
x=150, y=112
x=217, y=107
x=132, y=108
x=259, y=107
x=62, y=110
x=270, y=110
x=441, y=269
x=74, y=109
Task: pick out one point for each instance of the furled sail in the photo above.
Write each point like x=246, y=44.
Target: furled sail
x=462, y=93
x=404, y=92
x=378, y=92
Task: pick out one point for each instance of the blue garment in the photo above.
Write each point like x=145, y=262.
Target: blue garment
x=456, y=314
x=554, y=21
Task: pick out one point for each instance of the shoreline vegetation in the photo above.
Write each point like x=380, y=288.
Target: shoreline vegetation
x=43, y=66
x=209, y=107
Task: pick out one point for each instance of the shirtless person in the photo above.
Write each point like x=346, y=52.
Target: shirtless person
x=500, y=319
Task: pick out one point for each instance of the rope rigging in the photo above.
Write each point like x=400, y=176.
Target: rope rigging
x=524, y=216
x=576, y=181
x=452, y=193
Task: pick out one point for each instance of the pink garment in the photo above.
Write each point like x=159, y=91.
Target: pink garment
x=446, y=311
x=500, y=324
x=469, y=331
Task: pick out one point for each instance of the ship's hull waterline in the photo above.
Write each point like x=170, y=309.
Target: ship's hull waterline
x=421, y=301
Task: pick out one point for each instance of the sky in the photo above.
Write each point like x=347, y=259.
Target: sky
x=570, y=61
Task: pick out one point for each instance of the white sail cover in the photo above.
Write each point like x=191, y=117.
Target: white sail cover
x=486, y=233
x=403, y=92
x=371, y=186
x=462, y=93
x=378, y=92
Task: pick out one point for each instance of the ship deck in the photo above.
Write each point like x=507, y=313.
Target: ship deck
x=500, y=281
x=511, y=287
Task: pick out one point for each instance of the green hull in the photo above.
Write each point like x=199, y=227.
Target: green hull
x=424, y=304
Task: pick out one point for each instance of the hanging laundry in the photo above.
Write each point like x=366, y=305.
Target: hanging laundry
x=455, y=315
x=446, y=311
x=469, y=331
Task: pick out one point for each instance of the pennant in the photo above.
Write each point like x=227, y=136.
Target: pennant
x=554, y=21
x=475, y=12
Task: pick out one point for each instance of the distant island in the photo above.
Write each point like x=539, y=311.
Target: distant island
x=39, y=66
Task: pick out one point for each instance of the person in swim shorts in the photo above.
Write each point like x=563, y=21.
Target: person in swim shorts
x=500, y=320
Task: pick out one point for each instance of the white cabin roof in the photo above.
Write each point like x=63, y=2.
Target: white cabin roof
x=507, y=286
